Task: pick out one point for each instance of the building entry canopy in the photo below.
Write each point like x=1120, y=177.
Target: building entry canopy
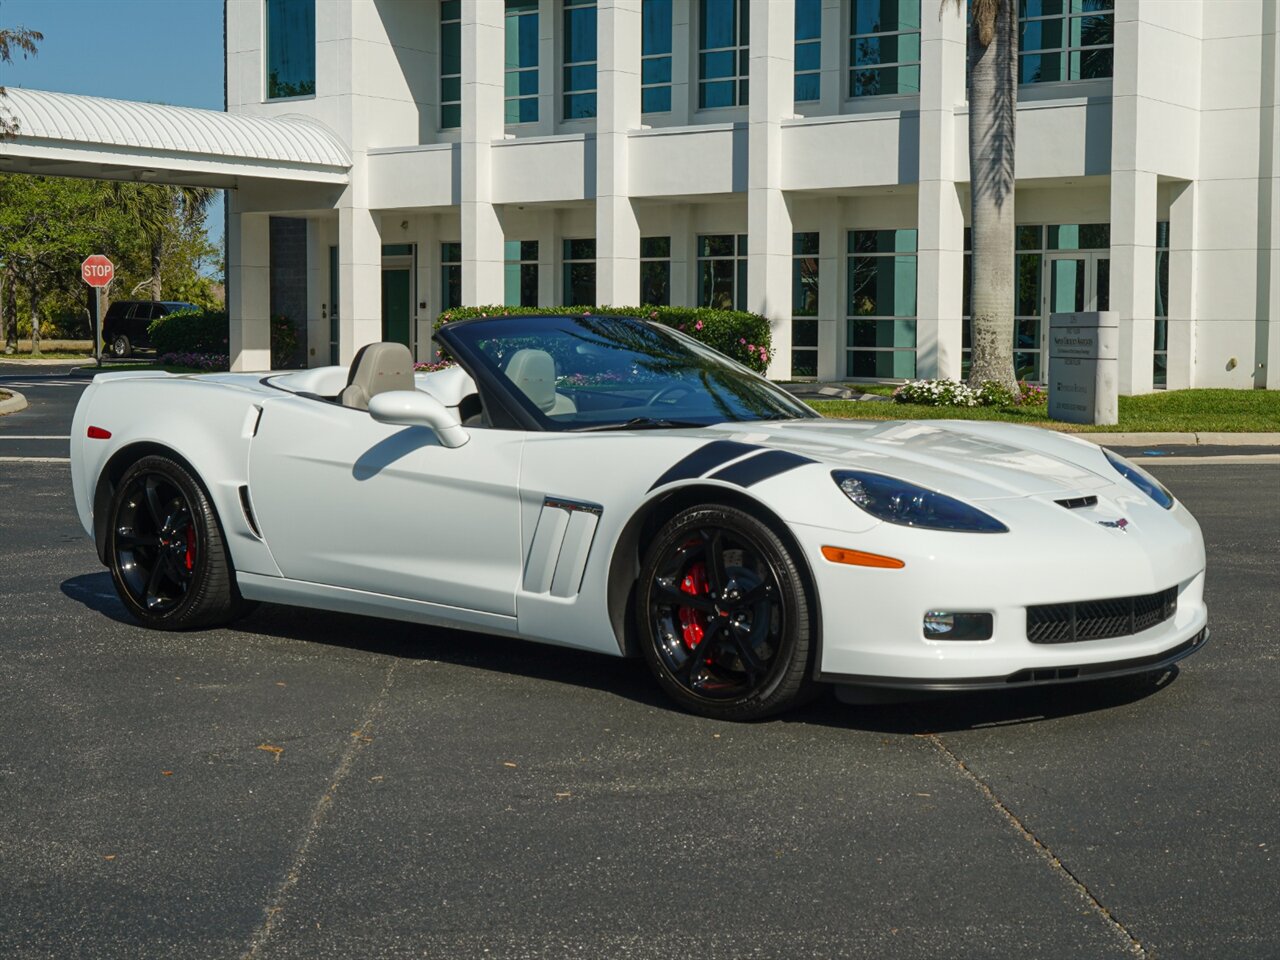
x=62, y=134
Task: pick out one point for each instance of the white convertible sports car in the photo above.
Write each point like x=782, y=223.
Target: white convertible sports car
x=613, y=485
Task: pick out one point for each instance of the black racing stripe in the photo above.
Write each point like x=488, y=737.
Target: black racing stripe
x=754, y=469
x=703, y=459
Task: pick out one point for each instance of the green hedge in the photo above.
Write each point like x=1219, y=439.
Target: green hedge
x=742, y=336
x=193, y=331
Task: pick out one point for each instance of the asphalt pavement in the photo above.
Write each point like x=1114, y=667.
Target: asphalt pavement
x=316, y=785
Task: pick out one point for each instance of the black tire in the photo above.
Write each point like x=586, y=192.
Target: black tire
x=120, y=346
x=168, y=559
x=724, y=616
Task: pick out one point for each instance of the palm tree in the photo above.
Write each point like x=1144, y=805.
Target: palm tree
x=25, y=42
x=151, y=209
x=993, y=102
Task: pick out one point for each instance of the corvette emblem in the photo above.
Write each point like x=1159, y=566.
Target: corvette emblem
x=1120, y=524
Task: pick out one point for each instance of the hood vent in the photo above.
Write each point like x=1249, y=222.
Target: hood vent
x=1074, y=503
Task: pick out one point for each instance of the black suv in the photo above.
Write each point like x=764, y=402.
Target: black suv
x=125, y=325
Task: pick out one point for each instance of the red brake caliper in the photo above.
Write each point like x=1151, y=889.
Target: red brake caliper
x=692, y=623
x=191, y=546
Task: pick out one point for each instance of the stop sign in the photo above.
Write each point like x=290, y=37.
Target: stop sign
x=97, y=270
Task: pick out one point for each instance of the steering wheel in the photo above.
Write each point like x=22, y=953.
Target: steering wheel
x=674, y=389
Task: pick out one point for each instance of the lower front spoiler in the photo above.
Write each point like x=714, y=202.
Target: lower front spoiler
x=1039, y=676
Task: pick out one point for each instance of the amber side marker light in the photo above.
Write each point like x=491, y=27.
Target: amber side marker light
x=859, y=558
x=97, y=433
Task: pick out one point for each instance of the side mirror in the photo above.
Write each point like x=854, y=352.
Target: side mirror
x=413, y=408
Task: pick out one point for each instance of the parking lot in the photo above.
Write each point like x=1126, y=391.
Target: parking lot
x=317, y=785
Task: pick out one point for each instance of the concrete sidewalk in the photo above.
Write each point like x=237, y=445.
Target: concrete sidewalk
x=1183, y=439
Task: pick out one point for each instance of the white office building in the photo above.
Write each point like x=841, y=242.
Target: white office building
x=805, y=159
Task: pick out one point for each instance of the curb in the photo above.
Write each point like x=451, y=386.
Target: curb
x=1183, y=439
x=15, y=402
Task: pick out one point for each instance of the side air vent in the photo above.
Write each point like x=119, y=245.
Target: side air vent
x=1075, y=503
x=561, y=544
x=247, y=507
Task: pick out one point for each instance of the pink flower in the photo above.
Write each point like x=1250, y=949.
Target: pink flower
x=653, y=315
x=681, y=325
x=751, y=347
x=764, y=355
x=698, y=325
x=742, y=340
x=586, y=313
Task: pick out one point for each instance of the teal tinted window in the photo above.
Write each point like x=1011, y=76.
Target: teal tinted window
x=655, y=271
x=579, y=273
x=522, y=61
x=579, y=59
x=1080, y=236
x=655, y=56
x=722, y=271
x=291, y=48
x=808, y=81
x=450, y=275
x=1160, y=358
x=884, y=48
x=880, y=330
x=1065, y=40
x=450, y=64
x=723, y=43
x=520, y=273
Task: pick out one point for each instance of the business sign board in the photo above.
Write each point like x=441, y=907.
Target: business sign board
x=1084, y=350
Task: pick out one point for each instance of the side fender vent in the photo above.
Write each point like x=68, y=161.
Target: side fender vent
x=561, y=545
x=247, y=507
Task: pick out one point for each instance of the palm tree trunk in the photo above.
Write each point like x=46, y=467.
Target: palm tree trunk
x=9, y=311
x=993, y=101
x=35, y=320
x=157, y=259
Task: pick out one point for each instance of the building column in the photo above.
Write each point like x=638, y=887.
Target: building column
x=940, y=215
x=832, y=244
x=617, y=112
x=317, y=295
x=684, y=256
x=1183, y=278
x=772, y=78
x=248, y=288
x=359, y=280
x=483, y=39
x=1268, y=375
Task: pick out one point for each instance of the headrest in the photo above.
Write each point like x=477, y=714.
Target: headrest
x=534, y=374
x=377, y=368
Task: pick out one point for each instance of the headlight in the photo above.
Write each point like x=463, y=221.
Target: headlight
x=896, y=501
x=1141, y=479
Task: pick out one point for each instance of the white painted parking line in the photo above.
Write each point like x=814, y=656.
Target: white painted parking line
x=1225, y=459
x=30, y=385
x=10, y=436
x=35, y=459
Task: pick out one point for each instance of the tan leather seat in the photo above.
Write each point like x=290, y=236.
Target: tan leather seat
x=377, y=368
x=534, y=374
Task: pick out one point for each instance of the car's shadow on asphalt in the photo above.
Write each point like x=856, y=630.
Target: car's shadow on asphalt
x=630, y=680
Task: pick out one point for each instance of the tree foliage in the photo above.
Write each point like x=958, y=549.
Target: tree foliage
x=24, y=42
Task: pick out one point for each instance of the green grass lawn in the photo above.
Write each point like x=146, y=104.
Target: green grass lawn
x=1166, y=411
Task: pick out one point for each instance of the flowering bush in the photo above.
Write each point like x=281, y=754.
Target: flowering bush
x=199, y=361
x=432, y=366
x=954, y=393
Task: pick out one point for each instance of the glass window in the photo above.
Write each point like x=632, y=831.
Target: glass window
x=804, y=305
x=520, y=273
x=884, y=48
x=655, y=271
x=579, y=59
x=579, y=273
x=450, y=275
x=655, y=56
x=291, y=48
x=881, y=311
x=1065, y=40
x=808, y=50
x=1160, y=367
x=722, y=271
x=1028, y=299
x=1080, y=236
x=522, y=61
x=450, y=64
x=723, y=44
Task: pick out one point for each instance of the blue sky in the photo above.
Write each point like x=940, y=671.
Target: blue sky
x=164, y=51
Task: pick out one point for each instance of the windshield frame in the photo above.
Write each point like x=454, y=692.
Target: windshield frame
x=512, y=405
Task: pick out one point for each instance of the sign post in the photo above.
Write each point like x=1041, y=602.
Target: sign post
x=98, y=272
x=1083, y=367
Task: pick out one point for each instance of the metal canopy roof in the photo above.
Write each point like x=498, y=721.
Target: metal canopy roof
x=62, y=129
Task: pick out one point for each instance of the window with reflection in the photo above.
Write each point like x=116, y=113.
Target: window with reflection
x=808, y=84
x=522, y=61
x=1065, y=40
x=580, y=272
x=1160, y=365
x=579, y=59
x=723, y=48
x=655, y=56
x=804, y=305
x=881, y=313
x=884, y=48
x=450, y=64
x=722, y=271
x=291, y=48
x=450, y=275
x=520, y=273
x=655, y=271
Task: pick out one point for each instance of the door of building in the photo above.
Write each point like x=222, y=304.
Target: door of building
x=397, y=304
x=1079, y=281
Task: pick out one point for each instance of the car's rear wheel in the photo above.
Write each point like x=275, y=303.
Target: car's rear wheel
x=120, y=346
x=168, y=560
x=724, y=615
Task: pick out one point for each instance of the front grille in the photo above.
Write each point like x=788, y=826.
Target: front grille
x=1099, y=619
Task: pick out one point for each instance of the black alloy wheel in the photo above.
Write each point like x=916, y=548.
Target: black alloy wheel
x=120, y=346
x=167, y=556
x=725, y=615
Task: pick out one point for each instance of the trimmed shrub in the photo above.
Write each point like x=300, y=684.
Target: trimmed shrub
x=954, y=393
x=741, y=336
x=197, y=332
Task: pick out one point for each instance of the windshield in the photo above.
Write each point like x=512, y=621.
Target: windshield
x=600, y=373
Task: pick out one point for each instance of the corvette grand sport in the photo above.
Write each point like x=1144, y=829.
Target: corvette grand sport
x=612, y=485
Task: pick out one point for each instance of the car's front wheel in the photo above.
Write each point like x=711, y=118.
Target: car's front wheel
x=120, y=346
x=167, y=556
x=724, y=615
